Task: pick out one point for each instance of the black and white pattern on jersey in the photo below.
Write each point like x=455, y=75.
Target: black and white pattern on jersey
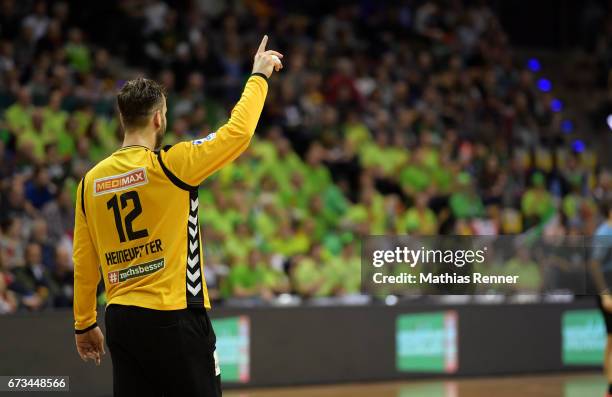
x=195, y=293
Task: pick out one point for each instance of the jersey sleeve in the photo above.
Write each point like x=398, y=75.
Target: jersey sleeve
x=86, y=273
x=192, y=162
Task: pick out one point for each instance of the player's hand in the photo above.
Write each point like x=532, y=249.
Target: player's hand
x=266, y=62
x=90, y=345
x=606, y=302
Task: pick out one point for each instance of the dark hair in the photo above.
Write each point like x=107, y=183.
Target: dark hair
x=137, y=99
x=6, y=224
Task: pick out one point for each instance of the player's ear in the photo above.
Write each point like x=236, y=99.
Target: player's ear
x=121, y=122
x=157, y=119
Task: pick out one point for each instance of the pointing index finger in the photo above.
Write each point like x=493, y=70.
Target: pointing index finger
x=262, y=45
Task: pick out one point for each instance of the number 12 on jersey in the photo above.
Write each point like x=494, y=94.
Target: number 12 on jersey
x=113, y=204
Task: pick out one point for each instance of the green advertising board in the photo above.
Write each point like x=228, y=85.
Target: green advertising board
x=583, y=337
x=584, y=386
x=429, y=389
x=233, y=338
x=427, y=342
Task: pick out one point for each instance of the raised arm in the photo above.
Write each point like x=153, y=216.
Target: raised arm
x=192, y=162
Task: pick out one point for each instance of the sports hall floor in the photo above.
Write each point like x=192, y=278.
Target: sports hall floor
x=566, y=385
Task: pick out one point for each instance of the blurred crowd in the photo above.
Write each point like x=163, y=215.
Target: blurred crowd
x=406, y=117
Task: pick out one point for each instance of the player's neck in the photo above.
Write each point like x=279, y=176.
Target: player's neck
x=138, y=138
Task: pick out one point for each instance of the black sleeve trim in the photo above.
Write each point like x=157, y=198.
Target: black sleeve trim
x=82, y=331
x=83, y=196
x=173, y=178
x=261, y=75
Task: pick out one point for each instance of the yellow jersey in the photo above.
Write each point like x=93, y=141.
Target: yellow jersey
x=137, y=218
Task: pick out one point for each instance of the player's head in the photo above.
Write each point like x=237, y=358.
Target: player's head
x=142, y=108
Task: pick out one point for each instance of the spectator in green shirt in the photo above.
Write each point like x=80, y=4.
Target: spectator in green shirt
x=220, y=216
x=333, y=271
x=443, y=178
x=306, y=274
x=318, y=177
x=274, y=281
x=240, y=242
x=19, y=115
x=292, y=194
x=537, y=203
x=265, y=219
x=522, y=265
x=77, y=52
x=415, y=178
x=465, y=203
x=33, y=138
x=244, y=278
x=54, y=118
x=356, y=131
x=370, y=208
x=380, y=155
x=349, y=266
x=418, y=219
x=575, y=204
x=67, y=137
x=289, y=241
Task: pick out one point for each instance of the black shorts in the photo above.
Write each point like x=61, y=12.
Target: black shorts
x=606, y=315
x=162, y=353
